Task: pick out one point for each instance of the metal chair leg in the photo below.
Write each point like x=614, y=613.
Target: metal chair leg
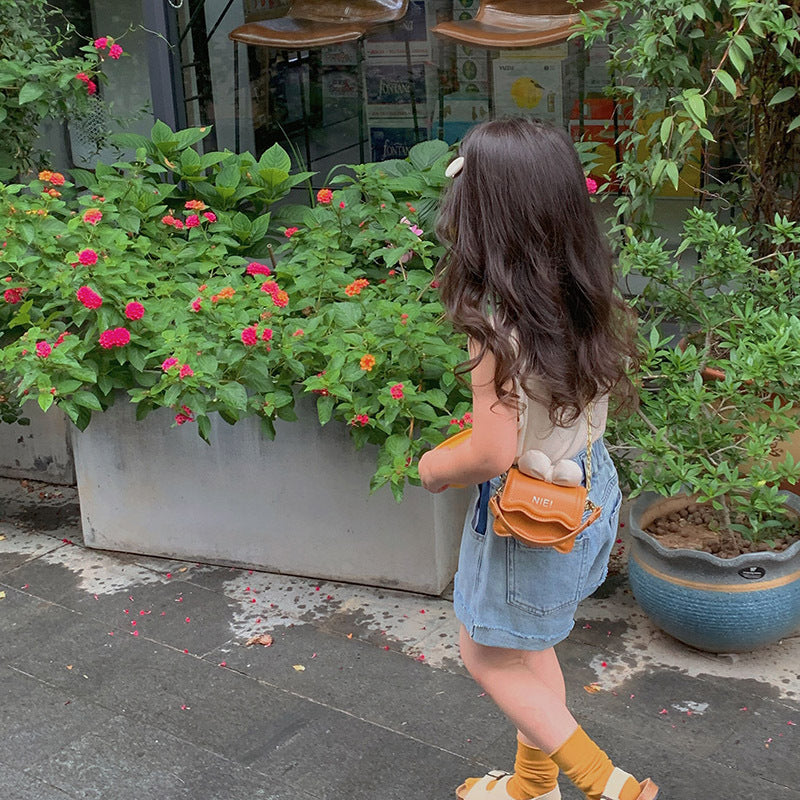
x=236, y=132
x=362, y=89
x=412, y=90
x=306, y=134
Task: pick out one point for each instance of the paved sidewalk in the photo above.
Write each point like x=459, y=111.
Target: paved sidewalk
x=128, y=678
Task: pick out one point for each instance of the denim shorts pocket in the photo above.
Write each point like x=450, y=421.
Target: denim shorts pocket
x=541, y=580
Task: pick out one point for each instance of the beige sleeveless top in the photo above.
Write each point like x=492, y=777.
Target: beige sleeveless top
x=544, y=450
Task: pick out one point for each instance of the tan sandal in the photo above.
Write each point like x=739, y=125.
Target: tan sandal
x=492, y=786
x=647, y=789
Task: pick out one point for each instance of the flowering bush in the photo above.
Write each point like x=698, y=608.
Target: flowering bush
x=142, y=277
x=39, y=79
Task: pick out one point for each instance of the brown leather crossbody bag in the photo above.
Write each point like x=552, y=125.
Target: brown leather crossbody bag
x=542, y=514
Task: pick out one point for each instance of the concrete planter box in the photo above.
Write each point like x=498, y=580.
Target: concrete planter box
x=39, y=451
x=298, y=505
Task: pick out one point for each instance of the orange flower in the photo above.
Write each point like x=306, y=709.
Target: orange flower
x=57, y=179
x=367, y=362
x=227, y=293
x=52, y=192
x=198, y=205
x=45, y=175
x=356, y=286
x=324, y=196
x=280, y=298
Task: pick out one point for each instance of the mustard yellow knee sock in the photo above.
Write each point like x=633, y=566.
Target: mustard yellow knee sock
x=534, y=774
x=589, y=768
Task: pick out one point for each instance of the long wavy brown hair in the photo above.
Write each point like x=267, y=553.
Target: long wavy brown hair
x=526, y=261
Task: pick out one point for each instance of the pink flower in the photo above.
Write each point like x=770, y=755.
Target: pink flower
x=12, y=296
x=360, y=419
x=61, y=337
x=591, y=185
x=254, y=268
x=210, y=216
x=397, y=391
x=115, y=337
x=82, y=76
x=177, y=224
x=270, y=287
x=115, y=51
x=184, y=415
x=197, y=304
x=467, y=418
x=192, y=221
x=91, y=88
x=289, y=232
x=341, y=204
x=93, y=216
x=186, y=371
x=101, y=43
x=43, y=349
x=280, y=298
x=324, y=196
x=89, y=297
x=250, y=336
x=299, y=332
x=168, y=219
x=87, y=257
x=266, y=334
x=134, y=310
x=169, y=363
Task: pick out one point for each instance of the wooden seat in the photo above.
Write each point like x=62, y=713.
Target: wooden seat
x=309, y=25
x=516, y=23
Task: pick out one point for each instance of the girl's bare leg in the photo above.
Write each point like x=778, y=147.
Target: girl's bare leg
x=528, y=688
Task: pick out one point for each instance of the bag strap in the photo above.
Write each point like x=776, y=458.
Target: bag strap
x=589, y=449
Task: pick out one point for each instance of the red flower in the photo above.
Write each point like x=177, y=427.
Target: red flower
x=43, y=349
x=134, y=310
x=115, y=337
x=186, y=371
x=192, y=221
x=266, y=334
x=87, y=257
x=115, y=51
x=250, y=336
x=341, y=204
x=280, y=298
x=299, y=332
x=254, y=268
x=12, y=296
x=289, y=232
x=360, y=419
x=591, y=185
x=324, y=196
x=93, y=216
x=197, y=304
x=397, y=391
x=91, y=88
x=403, y=319
x=101, y=43
x=89, y=297
x=210, y=216
x=184, y=415
x=61, y=337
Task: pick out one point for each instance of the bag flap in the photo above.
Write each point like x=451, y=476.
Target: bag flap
x=542, y=501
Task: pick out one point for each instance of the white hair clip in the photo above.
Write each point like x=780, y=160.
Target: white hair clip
x=454, y=167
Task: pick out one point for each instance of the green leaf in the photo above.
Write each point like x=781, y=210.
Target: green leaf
x=30, y=92
x=672, y=172
x=130, y=141
x=666, y=129
x=697, y=106
x=781, y=96
x=426, y=154
x=325, y=409
x=87, y=400
x=727, y=81
x=233, y=395
x=45, y=401
x=347, y=315
x=204, y=428
x=793, y=124
x=275, y=158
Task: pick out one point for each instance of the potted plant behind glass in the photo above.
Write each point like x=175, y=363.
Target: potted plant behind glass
x=715, y=551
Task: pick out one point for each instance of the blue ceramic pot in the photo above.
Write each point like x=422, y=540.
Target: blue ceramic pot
x=721, y=605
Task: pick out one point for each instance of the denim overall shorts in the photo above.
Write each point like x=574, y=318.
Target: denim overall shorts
x=509, y=594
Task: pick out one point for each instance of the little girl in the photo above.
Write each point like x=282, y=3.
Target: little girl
x=528, y=276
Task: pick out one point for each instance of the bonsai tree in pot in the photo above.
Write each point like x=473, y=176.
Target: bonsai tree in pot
x=719, y=386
